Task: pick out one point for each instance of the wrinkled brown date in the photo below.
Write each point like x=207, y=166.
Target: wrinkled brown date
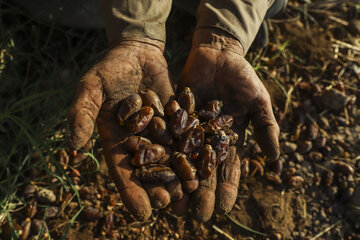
x=134, y=143
x=206, y=161
x=128, y=106
x=192, y=140
x=155, y=174
x=183, y=166
x=210, y=110
x=221, y=146
x=223, y=122
x=139, y=120
x=92, y=213
x=160, y=131
x=151, y=99
x=233, y=136
x=171, y=107
x=149, y=154
x=187, y=100
x=191, y=122
x=178, y=122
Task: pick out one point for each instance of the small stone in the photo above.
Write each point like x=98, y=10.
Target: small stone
x=320, y=142
x=289, y=147
x=50, y=213
x=324, y=123
x=304, y=147
x=315, y=156
x=46, y=196
x=338, y=150
x=298, y=157
x=333, y=99
x=333, y=191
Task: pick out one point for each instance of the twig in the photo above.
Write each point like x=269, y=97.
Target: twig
x=346, y=45
x=245, y=227
x=339, y=20
x=325, y=230
x=222, y=232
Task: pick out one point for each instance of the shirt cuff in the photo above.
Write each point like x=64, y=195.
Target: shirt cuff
x=140, y=18
x=240, y=18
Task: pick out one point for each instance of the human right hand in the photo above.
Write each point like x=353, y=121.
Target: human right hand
x=134, y=64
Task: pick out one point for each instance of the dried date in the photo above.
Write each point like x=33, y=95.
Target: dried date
x=183, y=166
x=160, y=131
x=192, y=140
x=210, y=110
x=206, y=161
x=134, y=143
x=178, y=122
x=139, y=120
x=147, y=155
x=155, y=174
x=191, y=122
x=151, y=99
x=92, y=213
x=187, y=100
x=233, y=136
x=128, y=106
x=221, y=146
x=171, y=107
x=223, y=122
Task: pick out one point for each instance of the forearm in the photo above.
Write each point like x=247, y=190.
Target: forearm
x=239, y=18
x=135, y=19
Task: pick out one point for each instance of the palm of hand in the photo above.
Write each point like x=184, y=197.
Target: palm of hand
x=124, y=70
x=225, y=75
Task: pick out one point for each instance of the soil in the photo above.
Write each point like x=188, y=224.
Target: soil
x=314, y=60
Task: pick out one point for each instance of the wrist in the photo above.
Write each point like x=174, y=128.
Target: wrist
x=218, y=39
x=139, y=42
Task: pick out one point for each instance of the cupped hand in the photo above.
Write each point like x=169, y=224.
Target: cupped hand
x=134, y=64
x=216, y=69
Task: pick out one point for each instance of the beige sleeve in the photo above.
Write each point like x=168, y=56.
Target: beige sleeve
x=135, y=18
x=241, y=18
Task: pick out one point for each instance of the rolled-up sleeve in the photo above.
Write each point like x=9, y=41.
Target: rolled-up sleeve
x=240, y=18
x=135, y=18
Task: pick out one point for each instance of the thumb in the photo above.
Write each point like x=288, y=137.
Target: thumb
x=84, y=109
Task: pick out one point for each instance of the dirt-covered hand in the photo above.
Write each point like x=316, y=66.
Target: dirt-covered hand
x=131, y=66
x=216, y=69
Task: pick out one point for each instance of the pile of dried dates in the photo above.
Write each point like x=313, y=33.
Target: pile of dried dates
x=175, y=140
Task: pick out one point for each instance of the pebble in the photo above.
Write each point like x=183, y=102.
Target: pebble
x=315, y=156
x=333, y=99
x=333, y=191
x=298, y=157
x=289, y=147
x=304, y=147
x=324, y=123
x=46, y=196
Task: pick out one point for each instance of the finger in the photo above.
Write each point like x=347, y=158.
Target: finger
x=203, y=199
x=266, y=129
x=228, y=182
x=175, y=190
x=181, y=206
x=159, y=197
x=84, y=109
x=132, y=193
x=190, y=185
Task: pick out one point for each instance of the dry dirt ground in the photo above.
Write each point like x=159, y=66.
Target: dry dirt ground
x=312, y=69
